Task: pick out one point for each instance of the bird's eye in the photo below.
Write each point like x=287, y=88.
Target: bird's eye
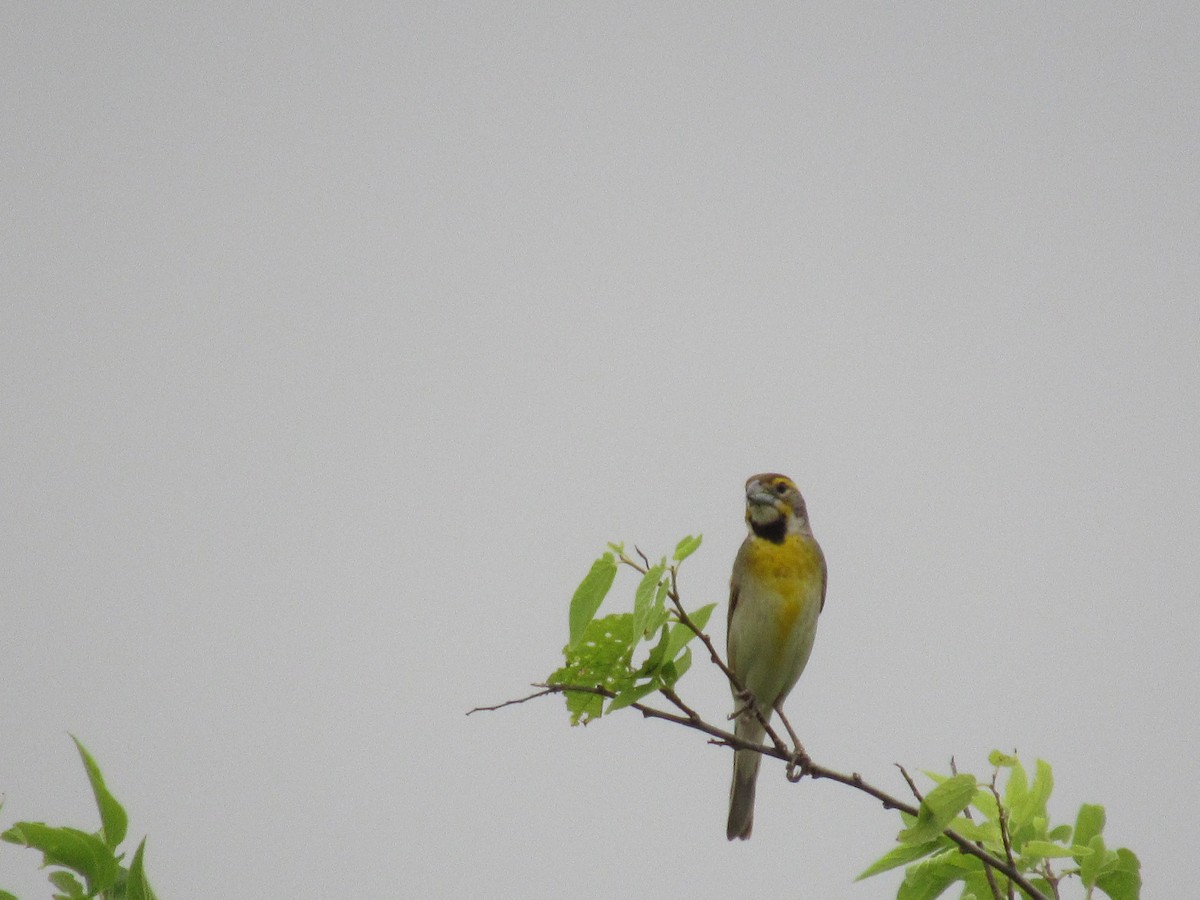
x=781, y=487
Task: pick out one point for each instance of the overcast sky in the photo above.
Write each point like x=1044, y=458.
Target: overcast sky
x=336, y=342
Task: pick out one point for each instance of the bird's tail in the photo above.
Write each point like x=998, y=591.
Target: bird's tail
x=745, y=776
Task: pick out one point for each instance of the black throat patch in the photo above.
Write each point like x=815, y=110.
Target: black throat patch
x=774, y=531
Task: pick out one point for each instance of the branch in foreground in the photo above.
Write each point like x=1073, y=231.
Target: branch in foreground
x=813, y=770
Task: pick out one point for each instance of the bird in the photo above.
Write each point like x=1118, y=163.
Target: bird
x=776, y=593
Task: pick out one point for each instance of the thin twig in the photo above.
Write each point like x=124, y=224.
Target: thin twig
x=1051, y=878
x=650, y=712
x=912, y=785
x=1002, y=816
x=512, y=702
x=670, y=694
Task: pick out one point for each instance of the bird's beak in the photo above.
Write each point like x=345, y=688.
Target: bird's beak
x=759, y=495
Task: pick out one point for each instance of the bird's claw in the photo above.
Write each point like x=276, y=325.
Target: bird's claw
x=745, y=704
x=799, y=765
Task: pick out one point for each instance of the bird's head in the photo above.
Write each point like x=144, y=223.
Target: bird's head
x=774, y=507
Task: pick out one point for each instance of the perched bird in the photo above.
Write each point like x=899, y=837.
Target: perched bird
x=776, y=593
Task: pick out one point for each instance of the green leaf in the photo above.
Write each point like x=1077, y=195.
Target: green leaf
x=68, y=884
x=138, y=887
x=658, y=613
x=583, y=707
x=988, y=832
x=654, y=660
x=928, y=879
x=631, y=695
x=590, y=594
x=1091, y=864
x=1031, y=830
x=1017, y=786
x=643, y=602
x=600, y=658
x=899, y=856
x=939, y=808
x=1124, y=880
x=1047, y=850
x=1089, y=823
x=676, y=668
x=681, y=634
x=1061, y=833
x=70, y=848
x=687, y=547
x=1002, y=760
x=113, y=820
x=700, y=616
x=975, y=884
x=985, y=801
x=5, y=895
x=964, y=862
x=1033, y=803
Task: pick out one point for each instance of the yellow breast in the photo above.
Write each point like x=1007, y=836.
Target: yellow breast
x=790, y=570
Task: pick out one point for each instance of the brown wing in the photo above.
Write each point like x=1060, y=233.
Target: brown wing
x=734, y=589
x=824, y=581
x=733, y=600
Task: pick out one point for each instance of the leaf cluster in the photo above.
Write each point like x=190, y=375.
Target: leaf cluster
x=90, y=856
x=600, y=651
x=1012, y=824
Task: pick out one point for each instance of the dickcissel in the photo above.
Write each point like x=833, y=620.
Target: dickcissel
x=776, y=593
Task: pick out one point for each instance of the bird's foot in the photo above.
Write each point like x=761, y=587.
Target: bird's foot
x=744, y=705
x=799, y=765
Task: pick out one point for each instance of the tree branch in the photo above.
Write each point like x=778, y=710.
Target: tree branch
x=691, y=720
x=794, y=757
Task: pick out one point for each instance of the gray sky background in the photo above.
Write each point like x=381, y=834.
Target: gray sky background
x=336, y=342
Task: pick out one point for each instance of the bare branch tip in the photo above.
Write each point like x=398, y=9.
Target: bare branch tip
x=912, y=786
x=548, y=689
